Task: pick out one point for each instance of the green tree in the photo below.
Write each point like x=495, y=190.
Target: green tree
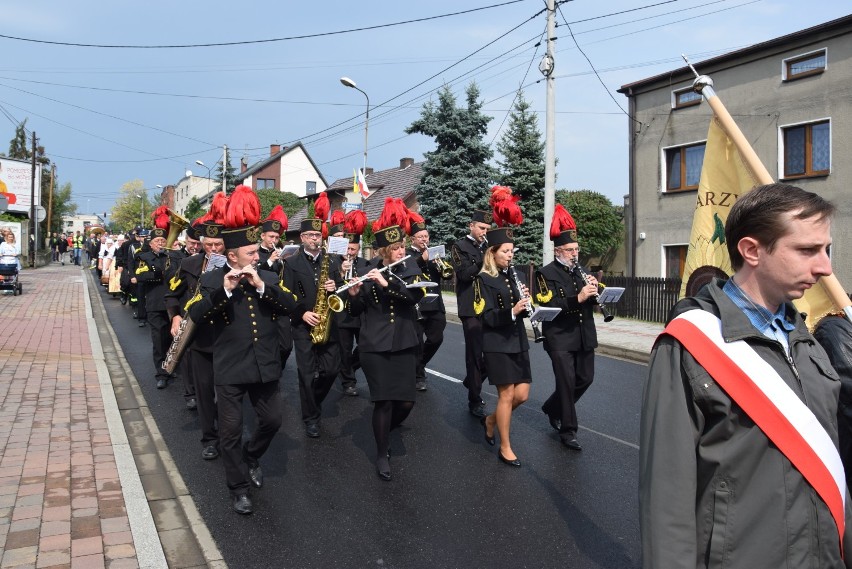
x=600, y=227
x=270, y=197
x=456, y=175
x=193, y=210
x=132, y=207
x=522, y=169
x=60, y=206
x=230, y=175
x=18, y=147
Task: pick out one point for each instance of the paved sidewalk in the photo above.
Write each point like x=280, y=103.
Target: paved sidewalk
x=68, y=497
x=621, y=337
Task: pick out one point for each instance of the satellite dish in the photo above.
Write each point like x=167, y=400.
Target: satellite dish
x=189, y=173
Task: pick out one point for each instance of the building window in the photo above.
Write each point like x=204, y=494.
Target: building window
x=806, y=149
x=265, y=184
x=685, y=98
x=812, y=63
x=675, y=259
x=310, y=188
x=683, y=167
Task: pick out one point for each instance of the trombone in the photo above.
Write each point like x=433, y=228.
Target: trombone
x=335, y=301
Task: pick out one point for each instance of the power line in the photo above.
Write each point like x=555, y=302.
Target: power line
x=270, y=40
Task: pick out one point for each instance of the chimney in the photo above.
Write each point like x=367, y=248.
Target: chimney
x=405, y=163
x=243, y=164
x=367, y=171
x=274, y=149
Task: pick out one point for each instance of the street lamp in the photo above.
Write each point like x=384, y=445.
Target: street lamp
x=209, y=176
x=350, y=83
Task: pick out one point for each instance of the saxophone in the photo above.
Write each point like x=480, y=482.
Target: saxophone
x=319, y=333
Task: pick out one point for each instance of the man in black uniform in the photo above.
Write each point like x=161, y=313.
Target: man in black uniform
x=432, y=316
x=121, y=263
x=348, y=326
x=142, y=246
x=150, y=273
x=467, y=254
x=243, y=306
x=570, y=339
x=318, y=364
x=273, y=226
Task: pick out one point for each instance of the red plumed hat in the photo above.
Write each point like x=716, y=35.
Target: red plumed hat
x=391, y=225
x=218, y=208
x=505, y=207
x=276, y=221
x=416, y=223
x=242, y=219
x=322, y=206
x=354, y=224
x=563, y=230
x=161, y=222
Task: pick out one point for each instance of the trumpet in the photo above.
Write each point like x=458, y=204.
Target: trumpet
x=537, y=335
x=607, y=316
x=445, y=268
x=335, y=302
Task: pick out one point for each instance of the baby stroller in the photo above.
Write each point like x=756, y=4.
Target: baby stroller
x=9, y=279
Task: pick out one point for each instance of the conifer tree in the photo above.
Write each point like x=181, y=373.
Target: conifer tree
x=230, y=175
x=456, y=175
x=522, y=169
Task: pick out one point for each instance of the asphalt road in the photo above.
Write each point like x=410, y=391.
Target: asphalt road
x=451, y=502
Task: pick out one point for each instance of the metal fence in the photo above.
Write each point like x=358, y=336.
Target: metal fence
x=644, y=298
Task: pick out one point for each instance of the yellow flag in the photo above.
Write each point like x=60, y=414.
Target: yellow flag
x=724, y=177
x=355, y=188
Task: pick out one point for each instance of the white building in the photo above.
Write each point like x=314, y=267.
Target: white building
x=81, y=223
x=191, y=187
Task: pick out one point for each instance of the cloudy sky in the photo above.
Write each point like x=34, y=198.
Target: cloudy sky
x=108, y=115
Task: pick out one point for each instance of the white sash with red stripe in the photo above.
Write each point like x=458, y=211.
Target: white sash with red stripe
x=764, y=396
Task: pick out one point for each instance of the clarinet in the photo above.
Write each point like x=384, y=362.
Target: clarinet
x=607, y=316
x=537, y=336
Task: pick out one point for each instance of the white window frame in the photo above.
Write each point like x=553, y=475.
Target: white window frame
x=664, y=182
x=663, y=255
x=677, y=92
x=801, y=56
x=782, y=174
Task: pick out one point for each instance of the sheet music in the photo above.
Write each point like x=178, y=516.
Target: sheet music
x=338, y=245
x=215, y=261
x=422, y=284
x=436, y=252
x=287, y=251
x=610, y=295
x=428, y=297
x=544, y=313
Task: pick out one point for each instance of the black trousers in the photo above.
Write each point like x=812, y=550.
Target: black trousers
x=184, y=368
x=236, y=457
x=432, y=335
x=318, y=366
x=573, y=373
x=349, y=358
x=140, y=302
x=205, y=394
x=161, y=339
x=474, y=363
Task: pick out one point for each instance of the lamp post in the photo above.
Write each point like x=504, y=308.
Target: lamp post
x=346, y=81
x=209, y=177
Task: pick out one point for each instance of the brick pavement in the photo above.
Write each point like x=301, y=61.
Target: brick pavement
x=61, y=501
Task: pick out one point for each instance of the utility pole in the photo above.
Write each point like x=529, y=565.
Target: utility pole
x=546, y=67
x=33, y=243
x=50, y=197
x=224, y=168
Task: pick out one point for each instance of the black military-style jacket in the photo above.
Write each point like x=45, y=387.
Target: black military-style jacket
x=245, y=327
x=430, y=273
x=494, y=301
x=388, y=316
x=183, y=290
x=175, y=258
x=150, y=271
x=263, y=261
x=467, y=258
x=573, y=329
x=300, y=276
x=344, y=319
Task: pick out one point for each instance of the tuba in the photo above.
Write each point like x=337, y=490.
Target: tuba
x=177, y=224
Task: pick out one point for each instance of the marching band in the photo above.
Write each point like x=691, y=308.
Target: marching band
x=226, y=317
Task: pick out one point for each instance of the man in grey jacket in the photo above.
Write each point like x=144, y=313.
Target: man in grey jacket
x=714, y=490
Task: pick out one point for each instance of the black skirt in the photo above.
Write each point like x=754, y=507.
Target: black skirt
x=505, y=369
x=390, y=375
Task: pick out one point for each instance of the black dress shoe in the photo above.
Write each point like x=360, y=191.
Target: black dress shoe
x=489, y=440
x=210, y=452
x=350, y=391
x=161, y=383
x=555, y=423
x=478, y=411
x=241, y=504
x=256, y=475
x=312, y=430
x=191, y=404
x=141, y=324
x=514, y=462
x=572, y=443
x=420, y=385
x=383, y=469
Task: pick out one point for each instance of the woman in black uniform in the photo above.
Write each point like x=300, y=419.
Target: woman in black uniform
x=504, y=341
x=389, y=339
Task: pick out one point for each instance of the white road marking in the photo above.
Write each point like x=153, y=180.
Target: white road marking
x=443, y=376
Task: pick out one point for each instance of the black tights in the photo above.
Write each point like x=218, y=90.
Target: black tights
x=387, y=415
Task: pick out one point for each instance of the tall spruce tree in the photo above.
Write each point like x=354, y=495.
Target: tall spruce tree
x=456, y=175
x=230, y=174
x=522, y=169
